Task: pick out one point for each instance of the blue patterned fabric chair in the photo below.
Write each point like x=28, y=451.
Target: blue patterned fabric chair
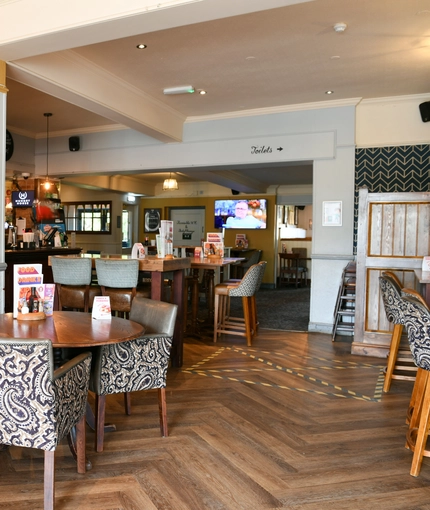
x=246, y=289
x=72, y=277
x=399, y=364
x=40, y=406
x=139, y=364
x=416, y=316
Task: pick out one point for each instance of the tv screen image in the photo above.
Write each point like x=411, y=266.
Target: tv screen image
x=241, y=213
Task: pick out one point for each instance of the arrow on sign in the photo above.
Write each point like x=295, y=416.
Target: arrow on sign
x=279, y=149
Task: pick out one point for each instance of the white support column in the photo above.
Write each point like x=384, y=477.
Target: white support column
x=3, y=97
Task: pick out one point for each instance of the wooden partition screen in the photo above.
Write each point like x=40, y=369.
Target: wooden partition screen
x=393, y=234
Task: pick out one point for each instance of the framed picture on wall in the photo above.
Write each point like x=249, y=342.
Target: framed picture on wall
x=152, y=220
x=332, y=214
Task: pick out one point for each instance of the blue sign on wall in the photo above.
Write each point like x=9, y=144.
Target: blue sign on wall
x=22, y=198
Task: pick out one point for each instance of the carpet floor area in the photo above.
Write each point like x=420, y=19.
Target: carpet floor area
x=285, y=308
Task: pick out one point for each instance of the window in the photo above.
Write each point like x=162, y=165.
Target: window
x=88, y=217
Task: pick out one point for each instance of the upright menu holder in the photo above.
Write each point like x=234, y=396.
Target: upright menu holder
x=26, y=277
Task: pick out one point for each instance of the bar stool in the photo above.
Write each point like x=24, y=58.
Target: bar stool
x=401, y=361
x=417, y=322
x=72, y=277
x=245, y=289
x=227, y=317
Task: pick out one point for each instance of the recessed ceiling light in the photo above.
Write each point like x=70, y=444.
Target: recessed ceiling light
x=340, y=27
x=328, y=92
x=202, y=92
x=334, y=57
x=141, y=46
x=249, y=58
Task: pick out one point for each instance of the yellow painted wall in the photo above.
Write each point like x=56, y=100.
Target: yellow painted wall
x=258, y=239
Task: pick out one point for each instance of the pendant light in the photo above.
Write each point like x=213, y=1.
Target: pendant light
x=170, y=184
x=47, y=183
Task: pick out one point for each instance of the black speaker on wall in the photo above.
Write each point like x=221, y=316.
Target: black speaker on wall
x=425, y=111
x=235, y=192
x=74, y=144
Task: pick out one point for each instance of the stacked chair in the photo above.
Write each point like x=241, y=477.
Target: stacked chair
x=139, y=364
x=40, y=406
x=246, y=289
x=72, y=277
x=400, y=363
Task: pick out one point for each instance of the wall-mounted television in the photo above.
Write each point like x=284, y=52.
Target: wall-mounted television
x=241, y=213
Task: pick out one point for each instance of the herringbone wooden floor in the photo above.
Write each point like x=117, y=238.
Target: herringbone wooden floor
x=293, y=422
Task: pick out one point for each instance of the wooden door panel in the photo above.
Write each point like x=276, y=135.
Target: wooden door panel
x=393, y=234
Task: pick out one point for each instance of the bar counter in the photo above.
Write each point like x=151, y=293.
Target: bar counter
x=39, y=256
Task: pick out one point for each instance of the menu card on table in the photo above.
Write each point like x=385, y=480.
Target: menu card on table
x=101, y=308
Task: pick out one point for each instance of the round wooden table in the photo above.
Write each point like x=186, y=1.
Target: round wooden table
x=72, y=329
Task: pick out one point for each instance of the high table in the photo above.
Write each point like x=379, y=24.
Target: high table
x=158, y=267
x=424, y=278
x=210, y=264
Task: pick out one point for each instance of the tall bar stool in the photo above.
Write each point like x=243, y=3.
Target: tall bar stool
x=400, y=363
x=417, y=322
x=72, y=277
x=246, y=290
x=227, y=318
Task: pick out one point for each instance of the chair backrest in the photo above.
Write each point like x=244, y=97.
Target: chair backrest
x=254, y=258
x=289, y=260
x=158, y=317
x=414, y=294
x=416, y=316
x=71, y=271
x=248, y=285
x=391, y=291
x=117, y=273
x=262, y=265
x=303, y=253
x=27, y=413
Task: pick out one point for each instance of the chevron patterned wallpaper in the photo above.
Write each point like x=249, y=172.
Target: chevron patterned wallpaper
x=391, y=169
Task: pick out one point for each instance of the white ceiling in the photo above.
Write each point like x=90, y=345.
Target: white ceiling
x=270, y=59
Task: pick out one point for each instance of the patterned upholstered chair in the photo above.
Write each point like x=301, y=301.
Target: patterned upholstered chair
x=40, y=406
x=417, y=322
x=136, y=365
x=72, y=277
x=400, y=364
x=246, y=289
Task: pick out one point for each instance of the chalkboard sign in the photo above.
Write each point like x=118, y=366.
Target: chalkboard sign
x=152, y=220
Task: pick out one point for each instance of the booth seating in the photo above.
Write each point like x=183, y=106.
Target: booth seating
x=246, y=289
x=72, y=277
x=54, y=402
x=400, y=363
x=139, y=364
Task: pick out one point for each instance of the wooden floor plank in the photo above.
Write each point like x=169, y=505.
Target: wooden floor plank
x=294, y=421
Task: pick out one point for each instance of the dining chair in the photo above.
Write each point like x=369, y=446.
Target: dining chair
x=416, y=317
x=246, y=290
x=243, y=266
x=303, y=268
x=40, y=405
x=118, y=279
x=289, y=269
x=135, y=365
x=399, y=363
x=72, y=277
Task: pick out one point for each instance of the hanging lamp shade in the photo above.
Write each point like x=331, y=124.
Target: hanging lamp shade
x=170, y=184
x=47, y=183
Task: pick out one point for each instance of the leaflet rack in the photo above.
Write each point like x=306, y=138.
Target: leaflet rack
x=344, y=312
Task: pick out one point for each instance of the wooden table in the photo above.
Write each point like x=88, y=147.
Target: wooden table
x=209, y=264
x=73, y=329
x=424, y=278
x=158, y=267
